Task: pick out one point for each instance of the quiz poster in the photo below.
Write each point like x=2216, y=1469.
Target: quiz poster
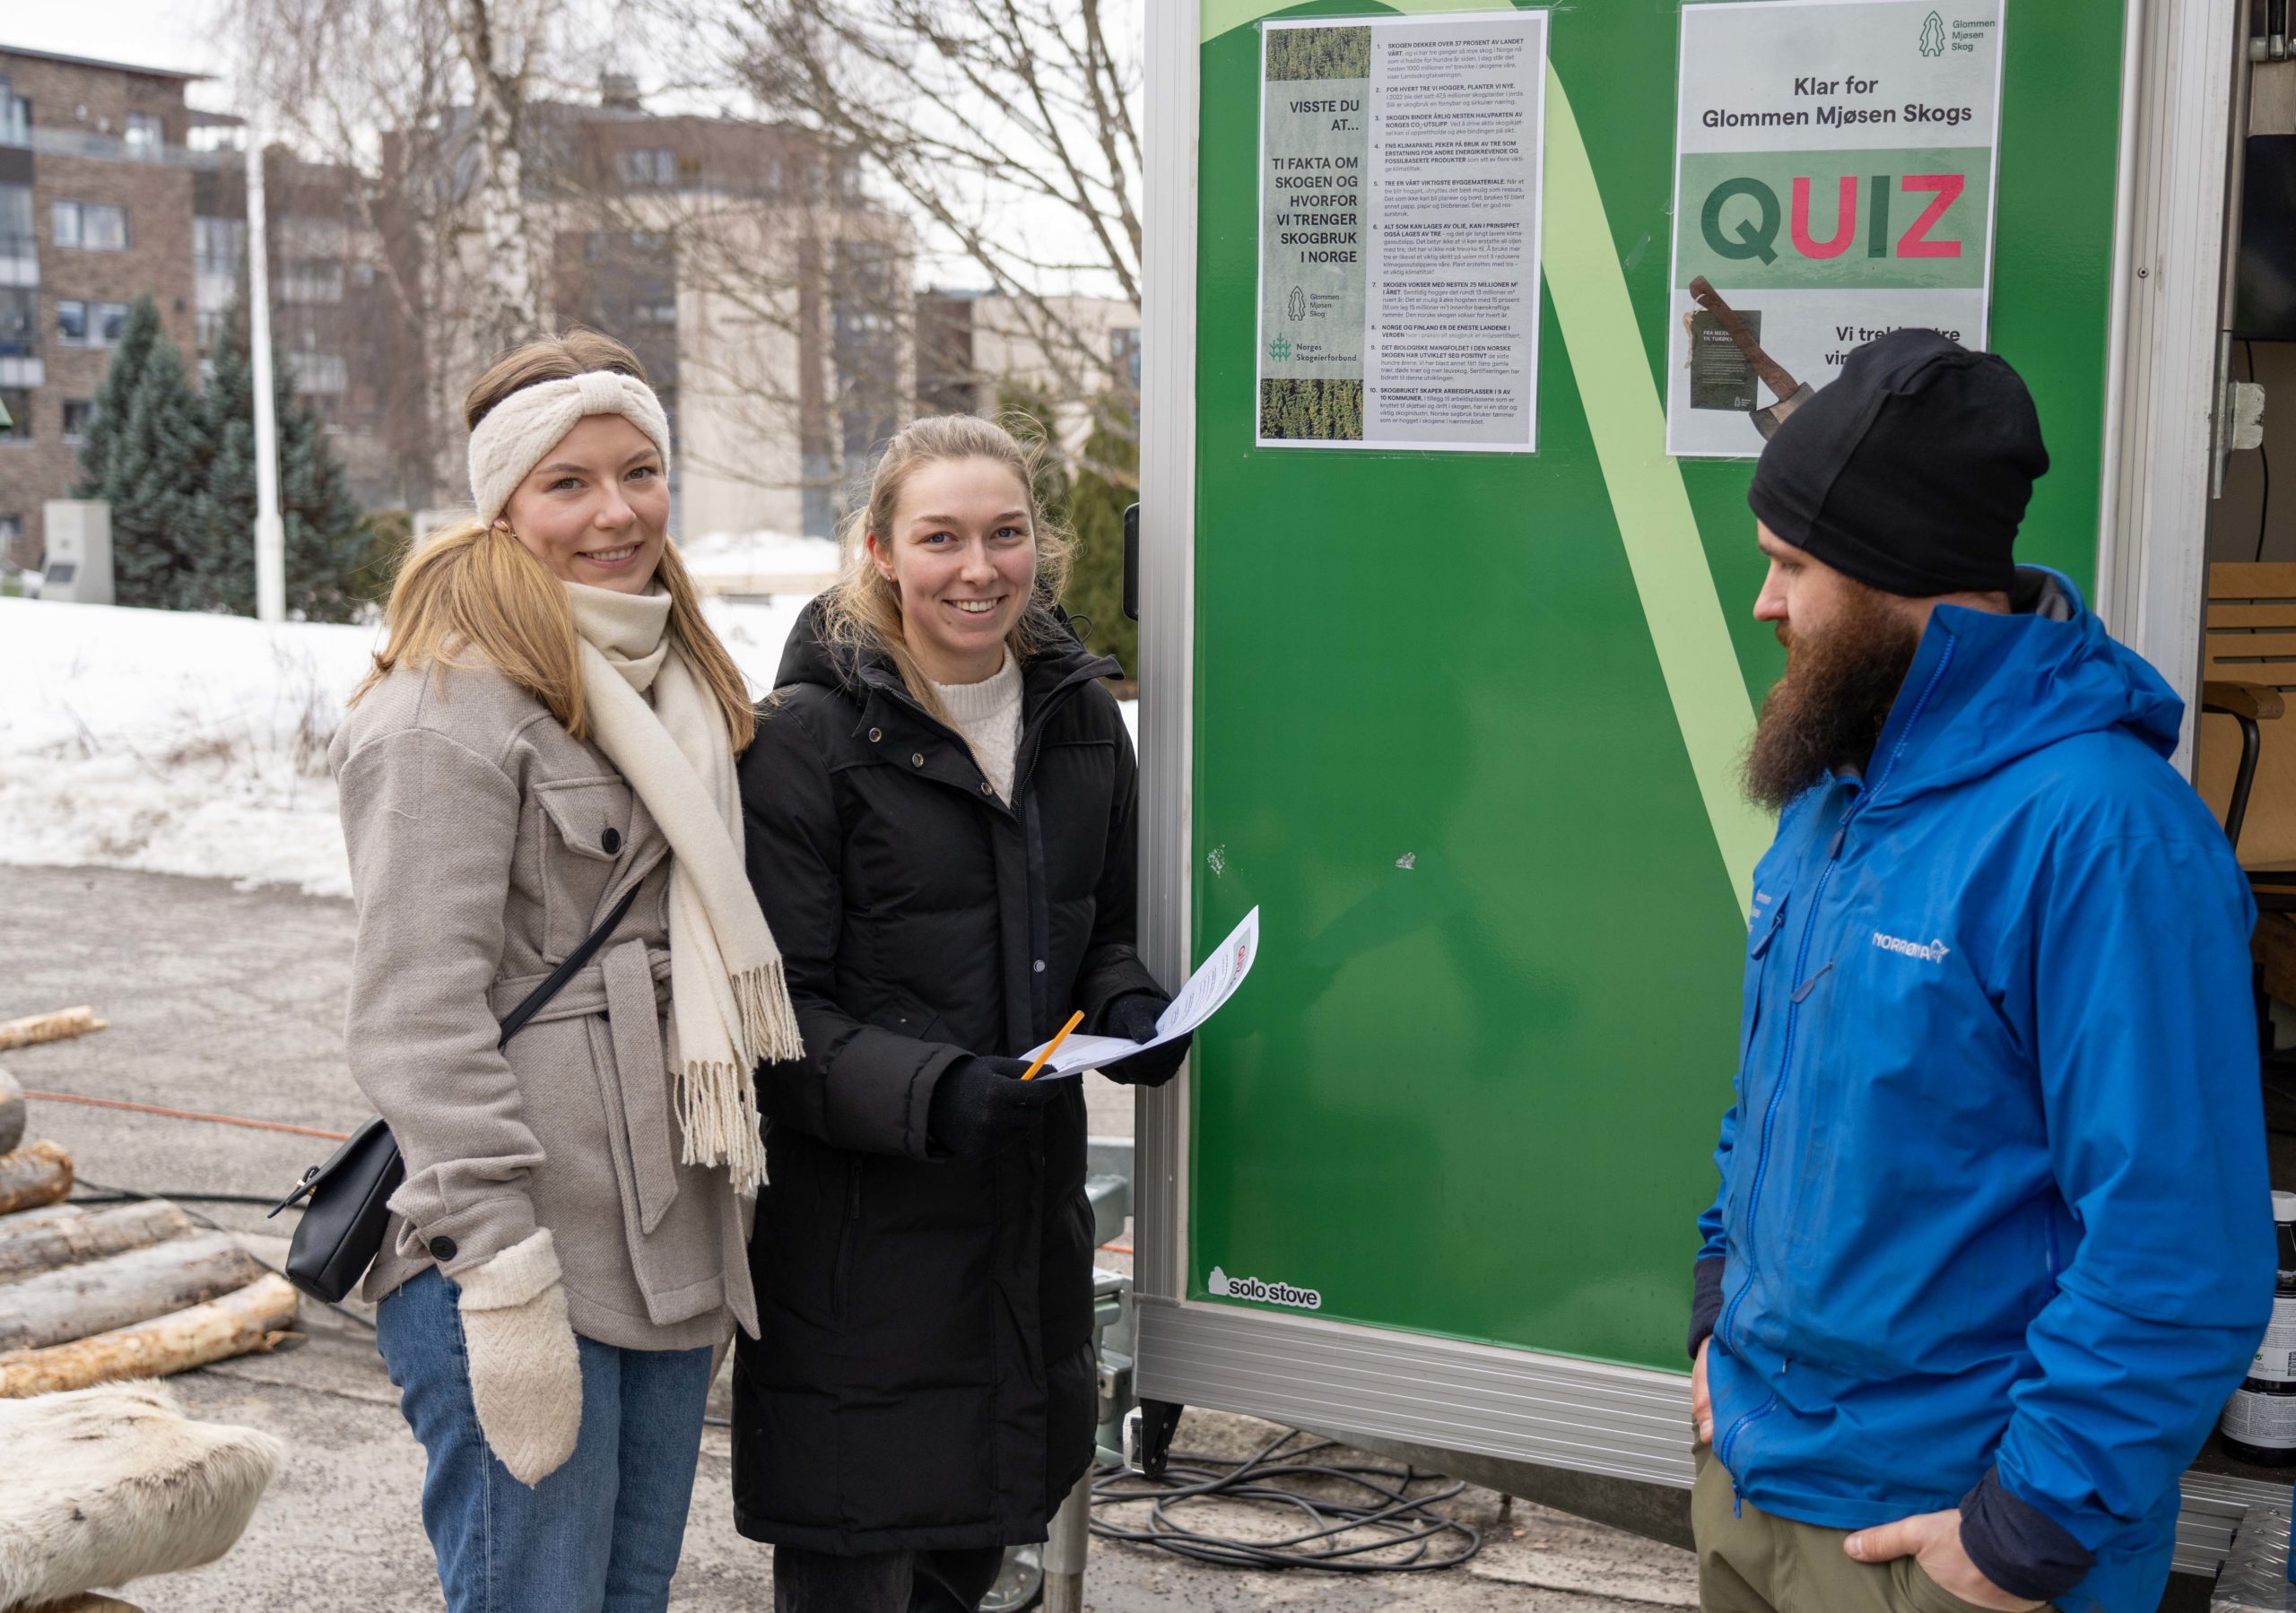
x=1834, y=177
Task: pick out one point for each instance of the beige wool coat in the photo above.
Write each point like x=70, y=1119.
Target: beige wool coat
x=486, y=844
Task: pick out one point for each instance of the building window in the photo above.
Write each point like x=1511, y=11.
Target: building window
x=79, y=414
x=1124, y=347
x=16, y=222
x=89, y=324
x=17, y=403
x=311, y=280
x=321, y=373
x=91, y=226
x=216, y=244
x=15, y=119
x=145, y=135
x=213, y=325
x=19, y=322
x=654, y=168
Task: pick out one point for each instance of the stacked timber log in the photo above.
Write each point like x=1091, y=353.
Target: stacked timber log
x=135, y=1290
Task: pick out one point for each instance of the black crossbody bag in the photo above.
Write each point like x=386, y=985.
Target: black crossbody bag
x=347, y=1202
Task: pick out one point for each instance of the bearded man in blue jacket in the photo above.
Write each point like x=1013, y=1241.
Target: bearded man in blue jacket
x=1994, y=1242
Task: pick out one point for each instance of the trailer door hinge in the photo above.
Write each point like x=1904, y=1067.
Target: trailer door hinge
x=2243, y=415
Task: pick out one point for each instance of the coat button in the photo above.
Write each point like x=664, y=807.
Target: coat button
x=917, y=758
x=876, y=734
x=1038, y=966
x=442, y=1249
x=611, y=840
x=986, y=788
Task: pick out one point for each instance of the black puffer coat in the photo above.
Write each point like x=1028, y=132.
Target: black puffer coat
x=923, y=1375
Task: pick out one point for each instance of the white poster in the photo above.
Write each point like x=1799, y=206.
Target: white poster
x=1834, y=176
x=1399, y=231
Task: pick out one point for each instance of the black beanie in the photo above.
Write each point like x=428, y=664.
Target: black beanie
x=1910, y=470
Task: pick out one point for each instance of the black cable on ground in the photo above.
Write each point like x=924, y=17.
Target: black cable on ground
x=1338, y=1536
x=106, y=1193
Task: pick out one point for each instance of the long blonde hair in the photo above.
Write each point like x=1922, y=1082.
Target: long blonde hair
x=474, y=588
x=862, y=610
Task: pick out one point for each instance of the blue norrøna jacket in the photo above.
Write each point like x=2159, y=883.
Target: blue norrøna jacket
x=1994, y=1229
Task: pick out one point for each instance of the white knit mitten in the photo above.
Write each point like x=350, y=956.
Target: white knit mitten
x=525, y=1375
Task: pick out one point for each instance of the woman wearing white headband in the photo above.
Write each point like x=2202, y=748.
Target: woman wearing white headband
x=550, y=727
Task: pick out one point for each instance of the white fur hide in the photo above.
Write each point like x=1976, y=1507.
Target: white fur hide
x=101, y=1485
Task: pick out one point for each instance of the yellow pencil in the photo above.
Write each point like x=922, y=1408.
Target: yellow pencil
x=1053, y=1046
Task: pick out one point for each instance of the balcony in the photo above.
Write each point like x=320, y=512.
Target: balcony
x=115, y=148
x=19, y=260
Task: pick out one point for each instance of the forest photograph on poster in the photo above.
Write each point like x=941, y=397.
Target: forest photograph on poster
x=1307, y=410
x=1297, y=53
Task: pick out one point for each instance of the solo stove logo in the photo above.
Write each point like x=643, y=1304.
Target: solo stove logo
x=1266, y=1292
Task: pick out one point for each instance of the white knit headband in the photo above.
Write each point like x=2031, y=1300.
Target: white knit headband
x=521, y=429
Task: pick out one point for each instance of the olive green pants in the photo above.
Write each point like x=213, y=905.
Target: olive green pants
x=1750, y=1562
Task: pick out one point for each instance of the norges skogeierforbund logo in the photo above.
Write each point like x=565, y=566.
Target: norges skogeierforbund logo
x=1224, y=1286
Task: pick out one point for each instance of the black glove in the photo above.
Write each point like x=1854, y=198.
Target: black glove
x=979, y=1104
x=1134, y=1017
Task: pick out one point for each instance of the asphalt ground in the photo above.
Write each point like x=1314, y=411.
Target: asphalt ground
x=230, y=1001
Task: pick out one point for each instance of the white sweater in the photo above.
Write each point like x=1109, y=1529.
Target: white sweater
x=988, y=715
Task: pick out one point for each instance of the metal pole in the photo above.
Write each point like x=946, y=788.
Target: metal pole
x=2220, y=415
x=1066, y=1551
x=270, y=532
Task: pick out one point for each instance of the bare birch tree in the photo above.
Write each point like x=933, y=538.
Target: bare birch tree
x=500, y=40
x=1007, y=126
x=426, y=102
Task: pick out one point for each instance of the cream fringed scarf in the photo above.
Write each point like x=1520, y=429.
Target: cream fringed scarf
x=729, y=1004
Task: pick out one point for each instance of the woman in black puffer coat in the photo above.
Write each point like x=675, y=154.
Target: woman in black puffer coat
x=940, y=828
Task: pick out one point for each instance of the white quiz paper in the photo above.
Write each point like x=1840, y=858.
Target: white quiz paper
x=1214, y=981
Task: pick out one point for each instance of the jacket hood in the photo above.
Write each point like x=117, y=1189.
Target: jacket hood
x=1986, y=689
x=809, y=657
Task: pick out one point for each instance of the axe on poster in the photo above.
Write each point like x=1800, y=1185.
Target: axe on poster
x=1207, y=990
x=1791, y=394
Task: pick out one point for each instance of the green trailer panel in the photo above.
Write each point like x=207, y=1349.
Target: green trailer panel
x=1465, y=728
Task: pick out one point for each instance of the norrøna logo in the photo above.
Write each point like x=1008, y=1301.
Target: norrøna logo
x=1267, y=1293
x=1932, y=952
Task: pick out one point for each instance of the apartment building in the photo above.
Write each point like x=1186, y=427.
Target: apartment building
x=112, y=188
x=95, y=209
x=766, y=295
x=1075, y=351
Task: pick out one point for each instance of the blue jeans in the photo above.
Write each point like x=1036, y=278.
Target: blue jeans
x=601, y=1534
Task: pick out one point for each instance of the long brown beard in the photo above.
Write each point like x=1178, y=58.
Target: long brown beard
x=1828, y=711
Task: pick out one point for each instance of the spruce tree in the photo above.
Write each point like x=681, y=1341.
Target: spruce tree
x=1095, y=505
x=324, y=543
x=154, y=465
x=115, y=397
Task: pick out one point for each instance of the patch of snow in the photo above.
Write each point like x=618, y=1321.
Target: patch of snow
x=726, y=555
x=172, y=741
x=194, y=744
